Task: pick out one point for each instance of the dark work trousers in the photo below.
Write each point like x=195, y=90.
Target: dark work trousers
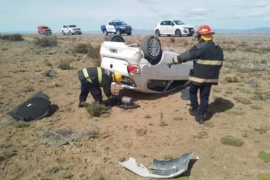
x=204, y=90
x=91, y=88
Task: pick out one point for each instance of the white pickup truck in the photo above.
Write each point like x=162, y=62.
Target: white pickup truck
x=71, y=30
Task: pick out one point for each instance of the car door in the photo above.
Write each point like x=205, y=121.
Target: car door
x=162, y=28
x=65, y=29
x=110, y=27
x=170, y=28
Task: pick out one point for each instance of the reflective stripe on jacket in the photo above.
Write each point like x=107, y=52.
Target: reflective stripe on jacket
x=208, y=58
x=97, y=76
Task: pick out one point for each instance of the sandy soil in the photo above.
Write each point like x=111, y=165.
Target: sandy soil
x=141, y=133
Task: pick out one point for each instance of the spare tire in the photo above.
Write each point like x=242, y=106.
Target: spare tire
x=151, y=48
x=115, y=38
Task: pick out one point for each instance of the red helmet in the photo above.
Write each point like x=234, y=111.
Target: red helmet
x=205, y=29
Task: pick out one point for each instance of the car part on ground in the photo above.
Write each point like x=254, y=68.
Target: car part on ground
x=144, y=67
x=174, y=28
x=160, y=168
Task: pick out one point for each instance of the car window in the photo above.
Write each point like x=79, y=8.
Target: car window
x=157, y=85
x=178, y=22
x=110, y=23
x=64, y=26
x=165, y=85
x=164, y=23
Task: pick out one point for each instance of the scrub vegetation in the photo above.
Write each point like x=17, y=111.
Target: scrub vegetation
x=231, y=144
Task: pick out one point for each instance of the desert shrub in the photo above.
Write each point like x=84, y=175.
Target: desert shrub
x=46, y=41
x=21, y=124
x=263, y=176
x=93, y=52
x=242, y=100
x=232, y=79
x=167, y=157
x=264, y=156
x=12, y=37
x=66, y=175
x=261, y=96
x=95, y=109
x=256, y=107
x=64, y=64
x=47, y=63
x=93, y=133
x=81, y=48
x=232, y=141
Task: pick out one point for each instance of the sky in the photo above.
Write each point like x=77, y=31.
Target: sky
x=89, y=15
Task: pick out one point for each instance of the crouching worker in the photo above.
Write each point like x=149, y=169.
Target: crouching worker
x=92, y=79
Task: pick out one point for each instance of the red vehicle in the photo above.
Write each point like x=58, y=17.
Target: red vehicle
x=44, y=30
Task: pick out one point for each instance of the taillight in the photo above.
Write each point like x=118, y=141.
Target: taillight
x=133, y=68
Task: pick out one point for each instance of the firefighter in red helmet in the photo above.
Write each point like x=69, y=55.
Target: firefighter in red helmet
x=207, y=58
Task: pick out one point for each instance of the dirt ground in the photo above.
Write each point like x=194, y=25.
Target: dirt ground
x=161, y=128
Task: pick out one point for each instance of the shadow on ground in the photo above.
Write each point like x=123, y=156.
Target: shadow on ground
x=219, y=105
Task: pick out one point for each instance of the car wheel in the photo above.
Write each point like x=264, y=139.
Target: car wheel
x=151, y=48
x=105, y=32
x=178, y=33
x=115, y=38
x=63, y=33
x=157, y=33
x=129, y=34
x=118, y=32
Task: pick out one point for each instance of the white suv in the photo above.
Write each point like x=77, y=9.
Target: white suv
x=144, y=67
x=71, y=29
x=175, y=28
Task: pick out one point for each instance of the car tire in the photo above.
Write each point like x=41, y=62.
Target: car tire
x=178, y=33
x=115, y=38
x=157, y=33
x=63, y=33
x=129, y=34
x=151, y=49
x=105, y=32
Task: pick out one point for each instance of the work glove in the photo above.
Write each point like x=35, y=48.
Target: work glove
x=174, y=61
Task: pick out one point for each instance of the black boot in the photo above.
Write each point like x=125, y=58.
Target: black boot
x=199, y=118
x=193, y=111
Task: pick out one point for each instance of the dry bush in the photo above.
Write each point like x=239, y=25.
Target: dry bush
x=64, y=64
x=81, y=48
x=242, y=100
x=95, y=109
x=12, y=37
x=46, y=41
x=232, y=141
x=232, y=79
x=93, y=52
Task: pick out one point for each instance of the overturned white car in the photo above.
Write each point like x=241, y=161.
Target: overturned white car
x=144, y=67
